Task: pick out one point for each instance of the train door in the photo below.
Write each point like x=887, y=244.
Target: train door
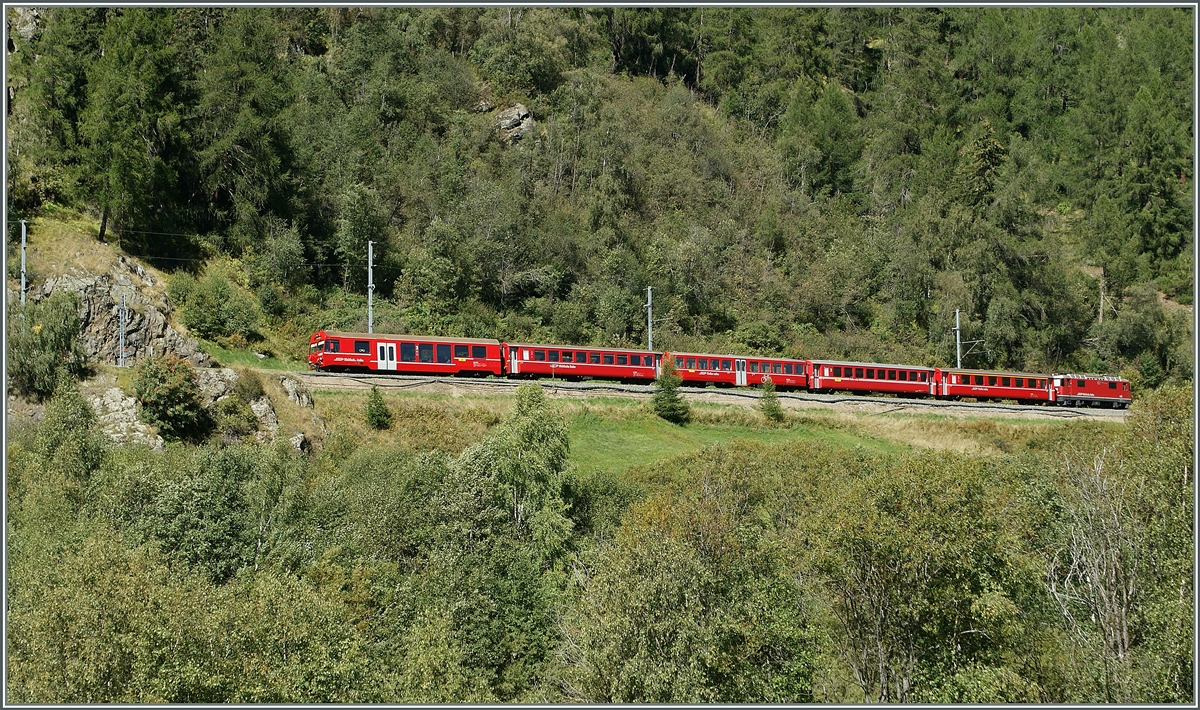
x=657, y=365
x=740, y=373
x=387, y=356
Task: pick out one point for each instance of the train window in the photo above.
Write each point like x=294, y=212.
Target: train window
x=1005, y=382
x=979, y=379
x=316, y=347
x=923, y=375
x=858, y=372
x=679, y=363
x=553, y=356
x=408, y=352
x=991, y=380
x=479, y=351
x=787, y=368
x=870, y=374
x=594, y=358
x=837, y=372
x=702, y=363
x=1112, y=385
x=539, y=354
x=904, y=375
x=608, y=358
x=382, y=356
x=362, y=346
x=754, y=367
x=424, y=352
x=635, y=360
x=392, y=353
x=463, y=351
x=776, y=368
x=891, y=374
x=622, y=359
x=1078, y=383
x=567, y=356
x=1018, y=382
x=332, y=346
x=691, y=363
x=443, y=353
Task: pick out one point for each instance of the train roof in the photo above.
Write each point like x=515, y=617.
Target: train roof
x=738, y=357
x=1005, y=373
x=417, y=338
x=581, y=347
x=1085, y=376
x=819, y=361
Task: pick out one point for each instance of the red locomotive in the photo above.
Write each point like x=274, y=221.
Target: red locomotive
x=419, y=354
x=1086, y=390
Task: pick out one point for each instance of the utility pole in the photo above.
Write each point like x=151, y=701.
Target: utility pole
x=22, y=268
x=649, y=318
x=370, y=287
x=1102, y=297
x=123, y=311
x=957, y=338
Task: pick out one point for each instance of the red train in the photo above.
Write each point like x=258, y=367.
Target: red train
x=429, y=355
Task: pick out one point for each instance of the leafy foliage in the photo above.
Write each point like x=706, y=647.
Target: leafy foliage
x=169, y=397
x=43, y=345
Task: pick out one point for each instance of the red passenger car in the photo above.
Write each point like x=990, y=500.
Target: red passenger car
x=578, y=363
x=988, y=384
x=1088, y=390
x=403, y=354
x=829, y=376
x=739, y=370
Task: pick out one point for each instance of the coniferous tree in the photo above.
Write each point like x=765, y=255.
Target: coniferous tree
x=378, y=414
x=769, y=402
x=667, y=401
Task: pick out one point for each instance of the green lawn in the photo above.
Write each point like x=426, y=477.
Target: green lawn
x=615, y=445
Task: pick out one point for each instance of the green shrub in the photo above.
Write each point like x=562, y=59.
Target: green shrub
x=169, y=395
x=378, y=414
x=214, y=309
x=249, y=386
x=44, y=347
x=667, y=401
x=234, y=418
x=769, y=402
x=66, y=438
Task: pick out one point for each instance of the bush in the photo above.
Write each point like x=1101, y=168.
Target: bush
x=234, y=418
x=378, y=414
x=44, y=347
x=769, y=402
x=214, y=309
x=249, y=386
x=169, y=395
x=667, y=401
x=66, y=439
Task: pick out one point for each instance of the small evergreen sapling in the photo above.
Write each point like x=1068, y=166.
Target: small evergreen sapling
x=769, y=402
x=667, y=401
x=378, y=414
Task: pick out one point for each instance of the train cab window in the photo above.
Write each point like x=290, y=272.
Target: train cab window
x=1004, y=382
x=622, y=359
x=443, y=353
x=870, y=374
x=691, y=363
x=1078, y=383
x=608, y=358
x=425, y=352
x=553, y=356
x=479, y=351
x=539, y=354
x=837, y=372
x=408, y=352
x=362, y=346
x=979, y=379
x=891, y=374
x=462, y=351
x=1112, y=385
x=726, y=365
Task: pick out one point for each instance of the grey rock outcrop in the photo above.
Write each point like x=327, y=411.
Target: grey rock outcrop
x=116, y=414
x=146, y=330
x=268, y=423
x=26, y=22
x=515, y=123
x=216, y=384
x=296, y=392
x=300, y=442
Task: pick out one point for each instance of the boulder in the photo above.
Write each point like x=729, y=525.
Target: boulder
x=116, y=415
x=300, y=442
x=268, y=423
x=515, y=123
x=216, y=384
x=296, y=392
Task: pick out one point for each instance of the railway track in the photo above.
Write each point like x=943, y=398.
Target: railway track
x=868, y=404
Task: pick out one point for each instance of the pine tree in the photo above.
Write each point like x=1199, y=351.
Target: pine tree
x=378, y=414
x=769, y=402
x=667, y=401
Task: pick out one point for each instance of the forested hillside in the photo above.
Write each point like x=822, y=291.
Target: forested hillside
x=807, y=181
